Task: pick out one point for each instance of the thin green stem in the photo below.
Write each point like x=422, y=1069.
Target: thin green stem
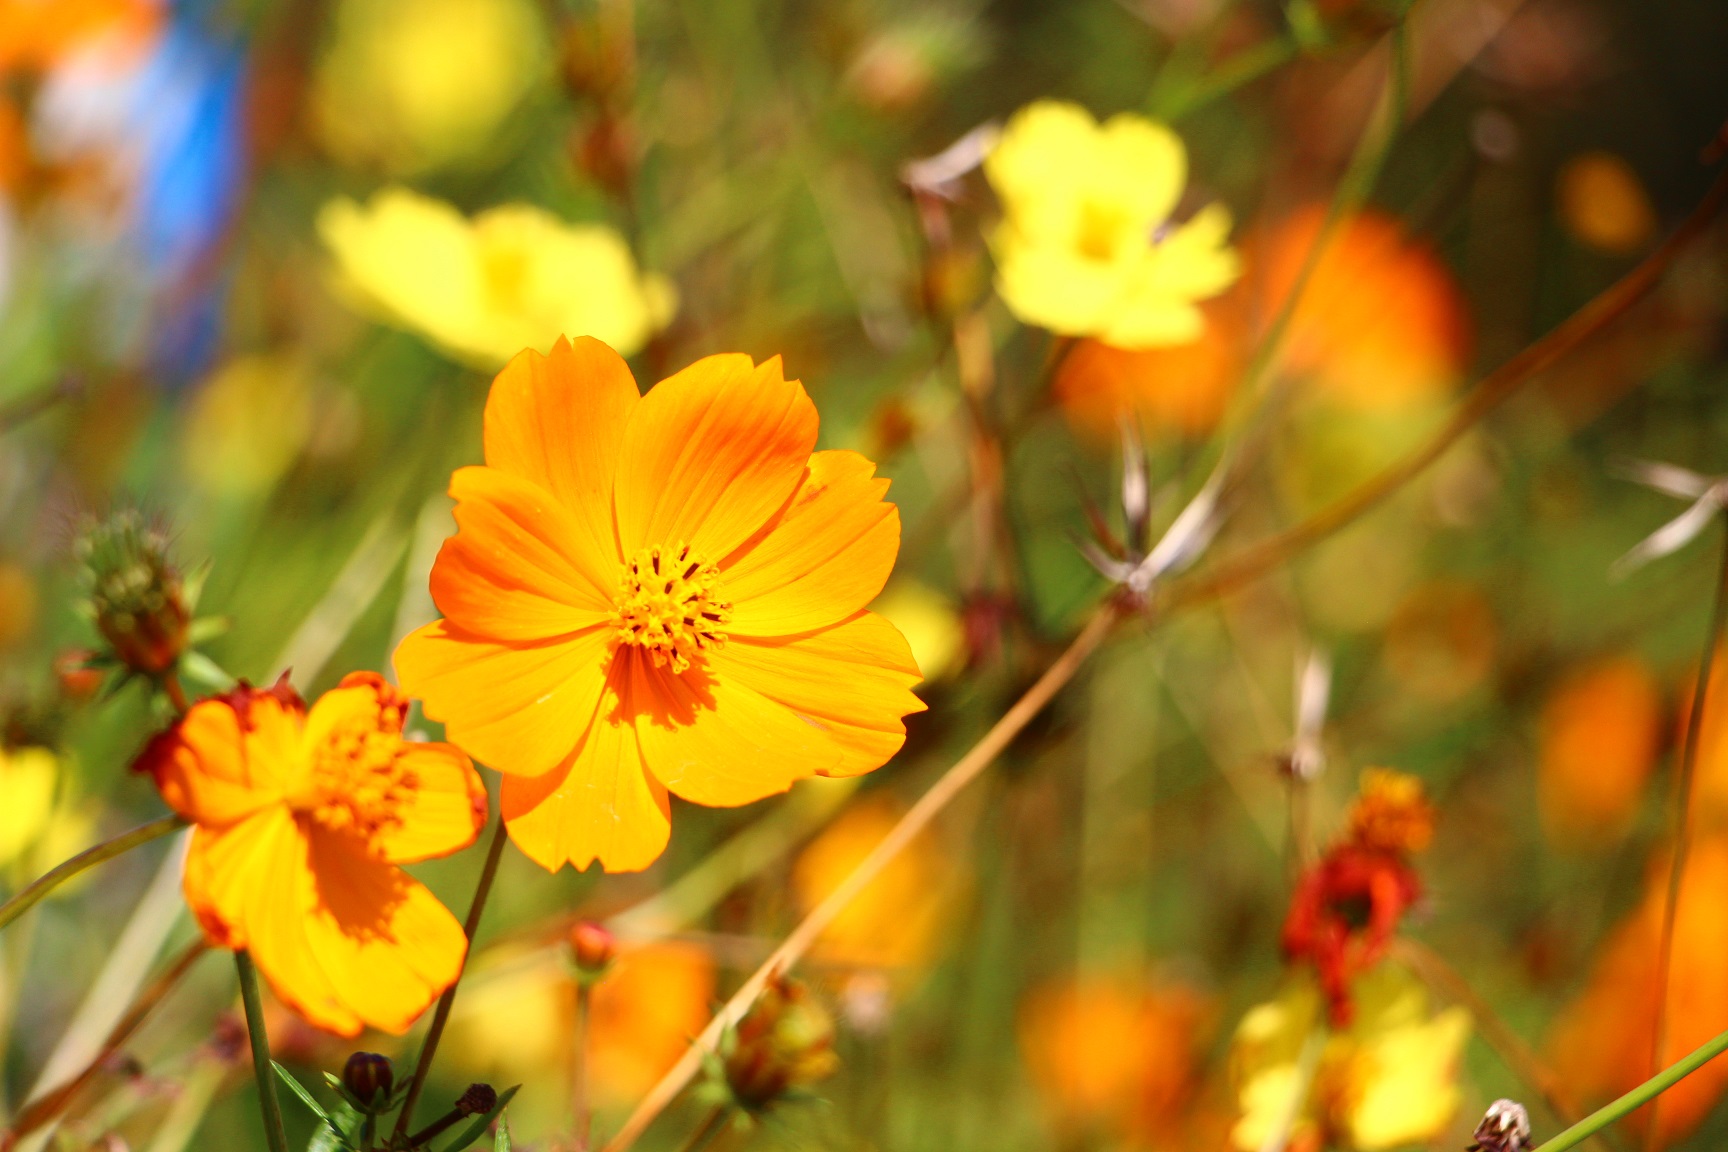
x=583, y=1115
x=1637, y=1098
x=1245, y=67
x=89, y=858
x=709, y=1128
x=262, y=1072
x=1683, y=821
x=488, y=872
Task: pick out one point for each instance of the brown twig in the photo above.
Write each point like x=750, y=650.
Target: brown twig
x=1227, y=576
x=951, y=784
x=1683, y=827
x=50, y=1104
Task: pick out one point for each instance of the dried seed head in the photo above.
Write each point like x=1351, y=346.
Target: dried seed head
x=135, y=594
x=478, y=1100
x=784, y=1043
x=1505, y=1127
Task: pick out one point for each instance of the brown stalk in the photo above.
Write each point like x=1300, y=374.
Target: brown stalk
x=951, y=784
x=56, y=1100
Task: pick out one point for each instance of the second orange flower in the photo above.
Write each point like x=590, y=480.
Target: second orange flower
x=658, y=593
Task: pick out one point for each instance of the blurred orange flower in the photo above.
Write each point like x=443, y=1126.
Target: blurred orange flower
x=658, y=593
x=896, y=921
x=1181, y=388
x=301, y=819
x=1381, y=322
x=1114, y=1053
x=1603, y=205
x=37, y=34
x=1601, y=1044
x=1601, y=728
x=654, y=999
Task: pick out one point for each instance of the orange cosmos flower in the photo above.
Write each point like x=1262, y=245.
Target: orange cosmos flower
x=1601, y=731
x=658, y=593
x=301, y=819
x=37, y=34
x=1381, y=322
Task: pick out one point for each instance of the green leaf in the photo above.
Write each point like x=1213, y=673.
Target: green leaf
x=477, y=1127
x=502, y=1143
x=299, y=1090
x=207, y=628
x=200, y=669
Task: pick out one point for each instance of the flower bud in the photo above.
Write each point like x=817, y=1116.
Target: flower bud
x=136, y=597
x=369, y=1077
x=478, y=1100
x=785, y=1042
x=593, y=949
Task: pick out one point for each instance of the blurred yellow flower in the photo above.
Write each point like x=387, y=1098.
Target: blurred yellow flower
x=930, y=624
x=417, y=84
x=1601, y=730
x=513, y=277
x=1114, y=1053
x=1388, y=1080
x=1087, y=246
x=27, y=777
x=897, y=921
x=247, y=424
x=1603, y=205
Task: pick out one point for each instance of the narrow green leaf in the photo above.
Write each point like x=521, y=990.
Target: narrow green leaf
x=502, y=1143
x=299, y=1090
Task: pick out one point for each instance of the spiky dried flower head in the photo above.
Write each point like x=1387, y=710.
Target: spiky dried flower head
x=1505, y=1127
x=135, y=594
x=783, y=1044
x=1391, y=813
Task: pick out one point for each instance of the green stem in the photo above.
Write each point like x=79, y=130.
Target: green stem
x=710, y=1128
x=262, y=1072
x=1244, y=67
x=88, y=858
x=1636, y=1098
x=494, y=852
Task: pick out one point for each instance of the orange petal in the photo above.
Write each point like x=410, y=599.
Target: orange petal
x=558, y=421
x=251, y=887
x=215, y=769
x=517, y=568
x=521, y=708
x=384, y=942
x=712, y=740
x=601, y=804
x=710, y=454
x=827, y=556
x=853, y=682
x=447, y=810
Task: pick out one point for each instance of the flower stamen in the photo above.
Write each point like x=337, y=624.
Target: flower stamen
x=668, y=605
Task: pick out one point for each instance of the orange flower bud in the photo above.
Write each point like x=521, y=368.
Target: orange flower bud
x=593, y=948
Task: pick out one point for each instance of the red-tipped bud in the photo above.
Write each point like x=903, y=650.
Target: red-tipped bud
x=784, y=1043
x=135, y=593
x=593, y=948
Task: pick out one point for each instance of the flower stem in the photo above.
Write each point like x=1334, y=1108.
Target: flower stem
x=1683, y=823
x=968, y=768
x=1637, y=1098
x=262, y=1072
x=488, y=871
x=89, y=858
x=579, y=1079
x=708, y=1129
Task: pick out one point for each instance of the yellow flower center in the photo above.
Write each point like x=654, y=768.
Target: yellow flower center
x=668, y=606
x=356, y=783
x=1100, y=230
